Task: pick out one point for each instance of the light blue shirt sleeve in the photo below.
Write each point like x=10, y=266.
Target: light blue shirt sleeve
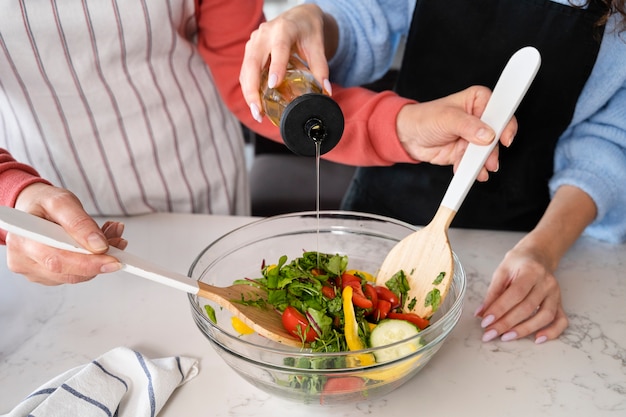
x=591, y=153
x=369, y=34
x=592, y=156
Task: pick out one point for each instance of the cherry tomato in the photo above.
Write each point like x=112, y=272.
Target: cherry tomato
x=345, y=385
x=297, y=324
x=385, y=293
x=420, y=322
x=328, y=292
x=381, y=311
x=358, y=298
x=317, y=272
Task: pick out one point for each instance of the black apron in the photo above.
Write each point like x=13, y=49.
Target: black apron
x=454, y=44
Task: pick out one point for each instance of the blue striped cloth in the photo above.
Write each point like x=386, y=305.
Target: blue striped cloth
x=120, y=383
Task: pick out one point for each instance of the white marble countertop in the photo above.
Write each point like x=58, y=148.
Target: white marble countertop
x=47, y=330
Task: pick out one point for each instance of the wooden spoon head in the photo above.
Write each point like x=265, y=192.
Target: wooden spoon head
x=260, y=317
x=426, y=258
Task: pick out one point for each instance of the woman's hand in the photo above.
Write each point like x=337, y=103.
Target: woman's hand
x=305, y=30
x=50, y=266
x=524, y=298
x=430, y=131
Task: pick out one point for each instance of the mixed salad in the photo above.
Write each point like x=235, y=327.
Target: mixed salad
x=330, y=308
x=333, y=309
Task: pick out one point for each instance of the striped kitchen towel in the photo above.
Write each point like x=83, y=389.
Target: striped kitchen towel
x=120, y=383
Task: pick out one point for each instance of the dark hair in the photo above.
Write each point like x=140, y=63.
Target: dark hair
x=612, y=7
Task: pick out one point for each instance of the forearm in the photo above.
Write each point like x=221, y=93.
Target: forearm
x=370, y=135
x=568, y=214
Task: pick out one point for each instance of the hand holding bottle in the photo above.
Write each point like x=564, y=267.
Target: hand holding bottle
x=303, y=30
x=310, y=122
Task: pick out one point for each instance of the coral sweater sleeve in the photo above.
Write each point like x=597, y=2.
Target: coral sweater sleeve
x=14, y=177
x=369, y=136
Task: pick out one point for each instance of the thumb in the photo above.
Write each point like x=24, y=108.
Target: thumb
x=476, y=131
x=82, y=228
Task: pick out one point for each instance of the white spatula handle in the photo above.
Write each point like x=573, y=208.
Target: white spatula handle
x=51, y=234
x=507, y=94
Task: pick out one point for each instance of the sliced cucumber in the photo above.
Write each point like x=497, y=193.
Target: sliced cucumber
x=391, y=331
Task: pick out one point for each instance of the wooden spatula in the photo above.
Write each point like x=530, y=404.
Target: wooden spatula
x=265, y=321
x=425, y=256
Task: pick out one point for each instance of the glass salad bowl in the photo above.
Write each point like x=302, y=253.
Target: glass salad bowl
x=296, y=373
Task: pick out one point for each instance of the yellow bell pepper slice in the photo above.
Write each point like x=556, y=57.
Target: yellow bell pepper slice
x=357, y=272
x=240, y=327
x=351, y=329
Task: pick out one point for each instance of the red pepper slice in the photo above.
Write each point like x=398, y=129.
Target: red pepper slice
x=358, y=298
x=370, y=292
x=385, y=293
x=420, y=322
x=381, y=311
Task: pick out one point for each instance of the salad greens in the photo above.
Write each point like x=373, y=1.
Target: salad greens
x=305, y=282
x=332, y=309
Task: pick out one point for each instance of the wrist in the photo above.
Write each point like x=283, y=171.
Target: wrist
x=540, y=246
x=25, y=197
x=406, y=123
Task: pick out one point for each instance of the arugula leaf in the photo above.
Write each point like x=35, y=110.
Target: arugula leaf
x=439, y=278
x=337, y=264
x=210, y=312
x=399, y=284
x=324, y=323
x=433, y=299
x=278, y=298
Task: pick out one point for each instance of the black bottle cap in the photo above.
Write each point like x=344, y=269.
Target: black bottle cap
x=309, y=118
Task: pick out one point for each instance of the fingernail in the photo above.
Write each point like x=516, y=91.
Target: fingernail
x=111, y=267
x=489, y=335
x=487, y=321
x=328, y=87
x=509, y=336
x=497, y=167
x=97, y=243
x=120, y=228
x=484, y=135
x=256, y=114
x=540, y=340
x=510, y=142
x=271, y=81
x=478, y=310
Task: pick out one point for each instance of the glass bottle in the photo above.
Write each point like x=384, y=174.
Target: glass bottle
x=306, y=116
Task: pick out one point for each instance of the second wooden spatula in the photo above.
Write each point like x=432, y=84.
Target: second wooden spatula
x=425, y=256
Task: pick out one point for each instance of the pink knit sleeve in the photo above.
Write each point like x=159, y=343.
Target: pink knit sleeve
x=14, y=177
